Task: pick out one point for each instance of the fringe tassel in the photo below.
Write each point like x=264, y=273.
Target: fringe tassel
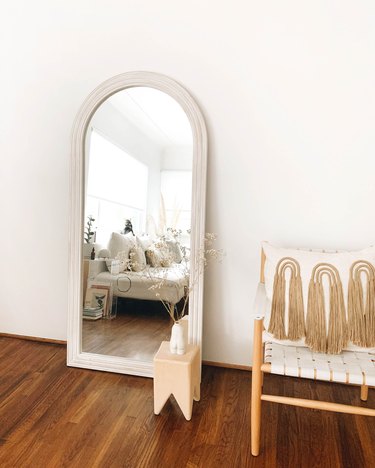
x=296, y=321
x=356, y=318
x=316, y=334
x=370, y=314
x=277, y=325
x=316, y=318
x=361, y=310
x=337, y=329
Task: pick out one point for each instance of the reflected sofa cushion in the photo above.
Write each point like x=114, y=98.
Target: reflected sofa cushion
x=175, y=250
x=120, y=243
x=104, y=253
x=144, y=241
x=159, y=255
x=137, y=258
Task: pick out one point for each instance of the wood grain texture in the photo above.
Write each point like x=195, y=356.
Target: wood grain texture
x=134, y=333
x=52, y=415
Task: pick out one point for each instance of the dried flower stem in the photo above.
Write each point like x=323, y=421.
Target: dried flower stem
x=205, y=256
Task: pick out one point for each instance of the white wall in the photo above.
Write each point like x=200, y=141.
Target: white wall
x=287, y=92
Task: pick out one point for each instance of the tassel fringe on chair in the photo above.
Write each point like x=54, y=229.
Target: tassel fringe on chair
x=316, y=332
x=361, y=304
x=296, y=320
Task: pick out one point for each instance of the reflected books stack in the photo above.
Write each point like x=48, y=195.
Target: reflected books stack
x=92, y=313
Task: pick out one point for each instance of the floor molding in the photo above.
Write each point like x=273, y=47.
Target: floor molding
x=33, y=338
x=226, y=365
x=62, y=342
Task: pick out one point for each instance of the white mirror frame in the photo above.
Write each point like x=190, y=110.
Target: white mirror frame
x=75, y=356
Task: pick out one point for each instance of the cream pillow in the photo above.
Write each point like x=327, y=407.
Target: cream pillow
x=158, y=255
x=307, y=260
x=144, y=241
x=120, y=243
x=137, y=260
x=104, y=253
x=175, y=250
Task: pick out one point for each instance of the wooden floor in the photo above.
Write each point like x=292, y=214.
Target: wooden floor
x=135, y=333
x=55, y=416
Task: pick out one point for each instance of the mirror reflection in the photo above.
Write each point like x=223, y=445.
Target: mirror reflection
x=138, y=179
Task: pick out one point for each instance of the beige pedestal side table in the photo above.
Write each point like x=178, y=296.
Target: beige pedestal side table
x=178, y=376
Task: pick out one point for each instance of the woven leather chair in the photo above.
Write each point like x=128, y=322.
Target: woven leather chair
x=353, y=368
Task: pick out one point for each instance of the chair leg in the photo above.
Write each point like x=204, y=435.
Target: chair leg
x=256, y=387
x=364, y=392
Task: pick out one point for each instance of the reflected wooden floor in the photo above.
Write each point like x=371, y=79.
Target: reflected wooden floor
x=136, y=332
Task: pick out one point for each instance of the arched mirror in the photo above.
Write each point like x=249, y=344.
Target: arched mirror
x=138, y=177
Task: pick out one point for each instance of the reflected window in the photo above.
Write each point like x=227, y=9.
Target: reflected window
x=116, y=188
x=176, y=193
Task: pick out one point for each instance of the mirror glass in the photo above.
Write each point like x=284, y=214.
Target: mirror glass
x=137, y=218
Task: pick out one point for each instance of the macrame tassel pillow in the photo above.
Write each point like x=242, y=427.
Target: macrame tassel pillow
x=326, y=292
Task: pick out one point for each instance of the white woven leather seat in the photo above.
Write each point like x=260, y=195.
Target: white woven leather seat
x=349, y=367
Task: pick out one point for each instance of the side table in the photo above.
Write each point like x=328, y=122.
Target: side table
x=177, y=375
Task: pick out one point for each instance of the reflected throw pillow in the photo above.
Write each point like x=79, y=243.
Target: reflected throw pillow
x=137, y=260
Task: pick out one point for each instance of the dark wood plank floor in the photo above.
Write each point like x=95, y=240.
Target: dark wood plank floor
x=55, y=416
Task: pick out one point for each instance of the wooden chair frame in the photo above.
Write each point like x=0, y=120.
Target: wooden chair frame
x=260, y=367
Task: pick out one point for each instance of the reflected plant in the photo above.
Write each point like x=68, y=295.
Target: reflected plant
x=88, y=233
x=205, y=256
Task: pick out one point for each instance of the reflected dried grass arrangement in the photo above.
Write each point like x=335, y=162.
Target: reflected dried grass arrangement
x=171, y=249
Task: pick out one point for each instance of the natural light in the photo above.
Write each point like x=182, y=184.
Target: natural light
x=116, y=188
x=176, y=192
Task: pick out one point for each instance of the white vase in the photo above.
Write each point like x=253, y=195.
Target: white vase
x=177, y=343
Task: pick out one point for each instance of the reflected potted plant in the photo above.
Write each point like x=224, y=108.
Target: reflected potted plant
x=89, y=235
x=159, y=278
